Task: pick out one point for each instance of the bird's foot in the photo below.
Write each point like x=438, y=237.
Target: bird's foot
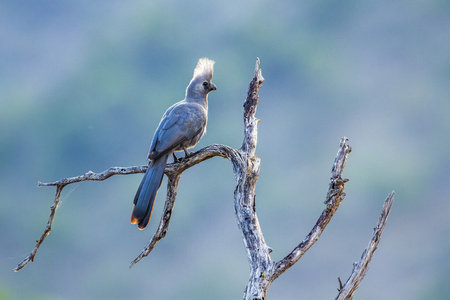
x=186, y=153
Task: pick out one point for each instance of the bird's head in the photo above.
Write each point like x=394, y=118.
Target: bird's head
x=201, y=84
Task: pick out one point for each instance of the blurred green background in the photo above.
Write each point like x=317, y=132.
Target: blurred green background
x=83, y=85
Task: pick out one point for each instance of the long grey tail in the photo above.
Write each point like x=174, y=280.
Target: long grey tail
x=146, y=193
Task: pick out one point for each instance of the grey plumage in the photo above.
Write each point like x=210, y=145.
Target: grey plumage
x=180, y=128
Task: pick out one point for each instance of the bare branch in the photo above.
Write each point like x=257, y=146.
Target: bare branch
x=60, y=184
x=197, y=157
x=359, y=269
x=174, y=168
x=46, y=232
x=335, y=195
x=97, y=176
x=172, y=186
x=250, y=104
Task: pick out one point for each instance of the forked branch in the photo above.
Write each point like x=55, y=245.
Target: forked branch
x=246, y=167
x=177, y=167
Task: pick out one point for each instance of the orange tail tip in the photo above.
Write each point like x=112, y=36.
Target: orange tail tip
x=136, y=221
x=133, y=219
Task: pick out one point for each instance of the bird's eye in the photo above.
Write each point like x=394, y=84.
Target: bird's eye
x=205, y=83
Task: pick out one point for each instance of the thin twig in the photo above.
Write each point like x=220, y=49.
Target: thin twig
x=97, y=176
x=172, y=185
x=46, y=232
x=60, y=184
x=359, y=269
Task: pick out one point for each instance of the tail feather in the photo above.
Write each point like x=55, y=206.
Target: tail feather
x=146, y=193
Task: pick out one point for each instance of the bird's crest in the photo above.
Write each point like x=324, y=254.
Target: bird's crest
x=204, y=68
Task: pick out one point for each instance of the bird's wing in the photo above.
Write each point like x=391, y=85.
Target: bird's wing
x=173, y=130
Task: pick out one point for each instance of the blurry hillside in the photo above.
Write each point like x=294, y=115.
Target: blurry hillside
x=83, y=86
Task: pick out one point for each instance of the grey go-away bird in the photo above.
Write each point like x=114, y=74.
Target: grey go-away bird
x=180, y=128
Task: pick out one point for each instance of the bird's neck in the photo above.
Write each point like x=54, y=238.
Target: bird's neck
x=202, y=100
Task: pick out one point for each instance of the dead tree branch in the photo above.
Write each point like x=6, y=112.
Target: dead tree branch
x=60, y=184
x=263, y=270
x=175, y=168
x=334, y=197
x=173, y=172
x=360, y=268
x=246, y=167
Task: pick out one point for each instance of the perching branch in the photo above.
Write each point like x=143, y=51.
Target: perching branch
x=246, y=167
x=177, y=167
x=173, y=172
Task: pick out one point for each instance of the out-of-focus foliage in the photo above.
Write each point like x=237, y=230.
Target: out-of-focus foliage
x=84, y=84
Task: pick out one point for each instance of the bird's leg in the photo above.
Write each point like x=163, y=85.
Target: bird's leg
x=186, y=153
x=175, y=158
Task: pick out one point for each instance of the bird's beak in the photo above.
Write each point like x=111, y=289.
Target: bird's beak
x=213, y=87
